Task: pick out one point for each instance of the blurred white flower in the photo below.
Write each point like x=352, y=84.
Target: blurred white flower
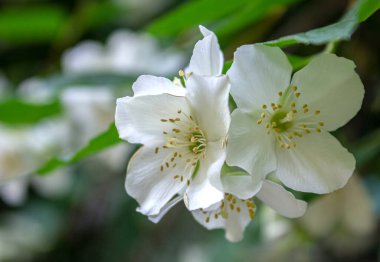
x=35, y=90
x=22, y=150
x=85, y=57
x=90, y=111
x=126, y=52
x=282, y=124
x=344, y=220
x=183, y=132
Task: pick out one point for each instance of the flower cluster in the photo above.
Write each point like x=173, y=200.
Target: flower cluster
x=194, y=150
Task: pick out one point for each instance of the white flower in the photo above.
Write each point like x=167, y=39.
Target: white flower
x=234, y=214
x=282, y=122
x=183, y=132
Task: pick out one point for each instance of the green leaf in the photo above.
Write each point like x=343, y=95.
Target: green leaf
x=341, y=30
x=368, y=8
x=14, y=111
x=252, y=12
x=96, y=145
x=30, y=24
x=227, y=17
x=193, y=13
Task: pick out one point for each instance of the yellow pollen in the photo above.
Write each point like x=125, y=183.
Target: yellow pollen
x=294, y=88
x=297, y=94
x=317, y=112
x=181, y=73
x=259, y=121
x=280, y=93
x=264, y=106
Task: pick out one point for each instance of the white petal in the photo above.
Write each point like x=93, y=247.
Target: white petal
x=153, y=85
x=208, y=99
x=281, y=200
x=257, y=74
x=165, y=209
x=330, y=84
x=139, y=119
x=207, y=58
x=216, y=155
x=151, y=187
x=200, y=193
x=319, y=164
x=250, y=147
x=232, y=221
x=241, y=184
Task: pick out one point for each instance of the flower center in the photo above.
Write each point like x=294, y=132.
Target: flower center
x=186, y=142
x=287, y=120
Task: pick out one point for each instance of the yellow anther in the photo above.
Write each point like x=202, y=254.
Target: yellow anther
x=251, y=214
x=305, y=110
x=259, y=121
x=294, y=88
x=317, y=112
x=293, y=104
x=287, y=146
x=263, y=115
x=318, y=130
x=297, y=94
x=264, y=106
x=207, y=219
x=181, y=73
x=321, y=123
x=305, y=105
x=267, y=125
x=280, y=93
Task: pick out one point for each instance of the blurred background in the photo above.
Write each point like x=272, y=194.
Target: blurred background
x=62, y=66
